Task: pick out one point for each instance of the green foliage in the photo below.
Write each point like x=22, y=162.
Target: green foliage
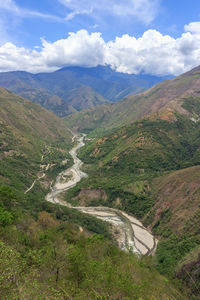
x=11, y=266
x=141, y=152
x=138, y=153
x=7, y=200
x=6, y=218
x=192, y=104
x=88, y=222
x=56, y=260
x=171, y=251
x=48, y=258
x=7, y=196
x=29, y=137
x=161, y=225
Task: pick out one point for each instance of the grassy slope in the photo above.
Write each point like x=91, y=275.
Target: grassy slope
x=42, y=254
x=60, y=93
x=125, y=162
x=137, y=167
x=175, y=219
x=175, y=215
x=47, y=257
x=131, y=163
x=165, y=96
x=27, y=131
x=179, y=193
x=75, y=88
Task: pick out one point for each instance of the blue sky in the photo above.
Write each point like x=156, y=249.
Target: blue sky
x=132, y=36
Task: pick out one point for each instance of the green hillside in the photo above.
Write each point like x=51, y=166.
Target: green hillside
x=175, y=218
x=48, y=251
x=151, y=169
x=148, y=164
x=47, y=257
x=165, y=97
x=72, y=89
x=53, y=252
x=58, y=92
x=30, y=139
x=127, y=160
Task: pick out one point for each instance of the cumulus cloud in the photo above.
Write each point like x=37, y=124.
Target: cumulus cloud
x=152, y=53
x=143, y=10
x=79, y=48
x=193, y=27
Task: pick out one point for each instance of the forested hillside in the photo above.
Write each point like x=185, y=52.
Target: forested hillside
x=33, y=142
x=72, y=89
x=150, y=168
x=51, y=251
x=99, y=150
x=180, y=94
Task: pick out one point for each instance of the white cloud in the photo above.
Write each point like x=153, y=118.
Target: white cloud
x=15, y=58
x=152, y=53
x=9, y=6
x=74, y=13
x=78, y=49
x=193, y=27
x=143, y=10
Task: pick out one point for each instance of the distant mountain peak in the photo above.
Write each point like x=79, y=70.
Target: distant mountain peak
x=179, y=95
x=75, y=88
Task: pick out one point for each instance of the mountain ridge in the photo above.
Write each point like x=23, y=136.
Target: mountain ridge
x=123, y=166
x=26, y=132
x=165, y=97
x=46, y=250
x=72, y=89
x=145, y=158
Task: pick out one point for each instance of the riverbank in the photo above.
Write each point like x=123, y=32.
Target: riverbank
x=131, y=234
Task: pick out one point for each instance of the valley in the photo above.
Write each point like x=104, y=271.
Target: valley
x=132, y=235
x=99, y=150
x=144, y=159
x=73, y=89
x=46, y=249
x=130, y=189
x=162, y=100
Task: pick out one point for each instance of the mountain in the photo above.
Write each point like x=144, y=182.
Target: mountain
x=148, y=165
x=30, y=136
x=51, y=251
x=60, y=94
x=110, y=84
x=179, y=94
x=151, y=169
x=72, y=89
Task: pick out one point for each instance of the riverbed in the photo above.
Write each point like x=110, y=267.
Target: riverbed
x=130, y=233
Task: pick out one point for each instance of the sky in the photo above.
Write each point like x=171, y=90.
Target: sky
x=158, y=37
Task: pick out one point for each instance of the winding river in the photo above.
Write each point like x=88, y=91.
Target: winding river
x=129, y=232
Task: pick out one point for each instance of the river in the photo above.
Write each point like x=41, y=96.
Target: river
x=130, y=233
